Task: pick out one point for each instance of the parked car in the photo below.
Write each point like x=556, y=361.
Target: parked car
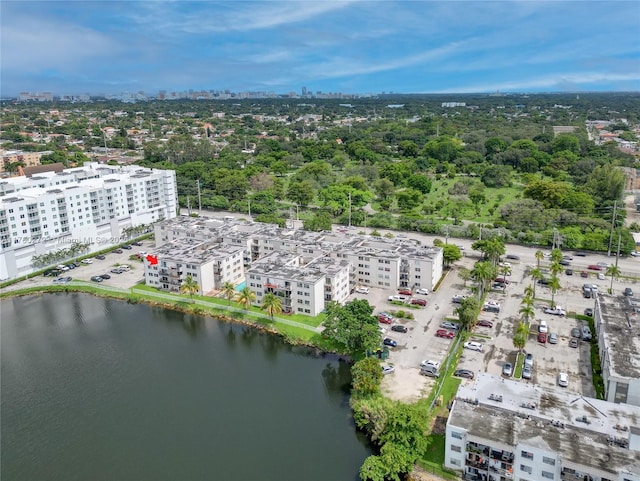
x=635, y=254
x=604, y=265
x=399, y=328
x=52, y=273
x=563, y=379
x=127, y=246
x=564, y=262
x=450, y=325
x=528, y=360
x=507, y=369
x=544, y=281
x=588, y=312
x=137, y=243
x=116, y=271
x=388, y=369
x=105, y=276
x=62, y=280
x=398, y=298
x=419, y=302
x=117, y=251
x=513, y=257
x=569, y=272
x=458, y=298
x=584, y=274
x=601, y=276
x=389, y=342
x=423, y=291
x=594, y=267
x=385, y=319
x=485, y=323
x=580, y=254
x=586, y=333
x=465, y=373
x=527, y=372
x=628, y=292
x=473, y=345
x=575, y=332
x=405, y=292
x=556, y=311
x=359, y=290
x=573, y=342
x=124, y=268
x=445, y=334
x=87, y=261
x=430, y=362
x=552, y=338
x=542, y=327
x=430, y=371
x=97, y=279
x=100, y=257
x=542, y=338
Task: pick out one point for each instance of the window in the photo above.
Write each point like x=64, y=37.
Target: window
x=527, y=455
x=549, y=461
x=547, y=474
x=525, y=468
x=456, y=449
x=455, y=434
x=455, y=462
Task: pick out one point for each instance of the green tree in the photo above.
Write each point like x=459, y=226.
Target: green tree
x=520, y=336
x=352, y=325
x=228, y=291
x=272, y=304
x=539, y=256
x=320, y=221
x=409, y=199
x=483, y=273
x=613, y=271
x=554, y=285
x=467, y=312
x=245, y=297
x=366, y=376
x=189, y=286
x=301, y=193
x=464, y=274
x=450, y=254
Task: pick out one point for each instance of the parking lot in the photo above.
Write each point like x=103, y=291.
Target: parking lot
x=420, y=341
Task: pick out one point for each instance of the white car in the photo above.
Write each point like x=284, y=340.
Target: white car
x=635, y=254
x=424, y=292
x=601, y=276
x=563, y=379
x=602, y=264
x=474, y=346
x=388, y=369
x=505, y=264
x=429, y=362
x=543, y=326
x=362, y=290
x=87, y=261
x=556, y=311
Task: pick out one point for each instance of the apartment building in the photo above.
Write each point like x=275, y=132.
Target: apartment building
x=304, y=286
x=617, y=324
x=28, y=159
x=93, y=205
x=325, y=266
x=501, y=429
x=211, y=265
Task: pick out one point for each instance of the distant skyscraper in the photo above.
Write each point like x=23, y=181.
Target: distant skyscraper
x=304, y=91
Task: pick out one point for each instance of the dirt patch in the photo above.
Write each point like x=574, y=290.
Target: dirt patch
x=419, y=474
x=405, y=385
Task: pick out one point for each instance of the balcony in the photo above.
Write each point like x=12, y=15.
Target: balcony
x=476, y=462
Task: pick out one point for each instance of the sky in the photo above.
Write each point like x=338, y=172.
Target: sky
x=349, y=46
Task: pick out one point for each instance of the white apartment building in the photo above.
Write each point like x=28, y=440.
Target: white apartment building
x=92, y=205
x=304, y=286
x=501, y=429
x=333, y=263
x=617, y=324
x=209, y=264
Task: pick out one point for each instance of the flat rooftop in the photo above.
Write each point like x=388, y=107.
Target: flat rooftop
x=619, y=329
x=585, y=431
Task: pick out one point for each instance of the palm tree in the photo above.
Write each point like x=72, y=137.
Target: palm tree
x=189, y=286
x=228, y=291
x=530, y=292
x=555, y=268
x=520, y=336
x=556, y=255
x=483, y=273
x=494, y=248
x=554, y=285
x=539, y=257
x=245, y=297
x=527, y=312
x=272, y=304
x=613, y=271
x=536, y=275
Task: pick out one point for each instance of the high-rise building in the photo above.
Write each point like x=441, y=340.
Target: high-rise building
x=95, y=205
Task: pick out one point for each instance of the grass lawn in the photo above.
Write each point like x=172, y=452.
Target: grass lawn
x=433, y=458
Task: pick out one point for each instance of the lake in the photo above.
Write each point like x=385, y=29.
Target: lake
x=98, y=389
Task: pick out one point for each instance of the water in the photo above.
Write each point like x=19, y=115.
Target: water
x=98, y=389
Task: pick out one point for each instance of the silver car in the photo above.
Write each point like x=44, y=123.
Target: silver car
x=527, y=372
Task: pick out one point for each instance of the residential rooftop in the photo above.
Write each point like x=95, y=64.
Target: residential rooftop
x=620, y=332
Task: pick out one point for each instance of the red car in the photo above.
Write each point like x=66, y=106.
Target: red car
x=419, y=302
x=542, y=337
x=385, y=319
x=485, y=323
x=584, y=274
x=405, y=292
x=594, y=267
x=446, y=334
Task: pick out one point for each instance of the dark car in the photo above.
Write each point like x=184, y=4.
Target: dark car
x=399, y=328
x=584, y=274
x=117, y=251
x=52, y=273
x=575, y=332
x=594, y=267
x=466, y=373
x=580, y=254
x=389, y=342
x=127, y=246
x=628, y=292
x=137, y=243
x=513, y=257
x=588, y=312
x=73, y=265
x=564, y=262
x=569, y=272
x=485, y=323
x=97, y=279
x=573, y=342
x=101, y=257
x=105, y=276
x=544, y=282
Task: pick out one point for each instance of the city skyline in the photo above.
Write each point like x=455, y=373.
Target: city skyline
x=353, y=47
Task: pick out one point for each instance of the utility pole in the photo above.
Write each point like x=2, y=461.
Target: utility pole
x=199, y=200
x=617, y=257
x=188, y=206
x=613, y=223
x=249, y=206
x=349, y=209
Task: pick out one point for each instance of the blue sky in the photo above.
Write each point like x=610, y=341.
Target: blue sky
x=344, y=46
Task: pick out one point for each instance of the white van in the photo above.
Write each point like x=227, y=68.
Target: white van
x=124, y=267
